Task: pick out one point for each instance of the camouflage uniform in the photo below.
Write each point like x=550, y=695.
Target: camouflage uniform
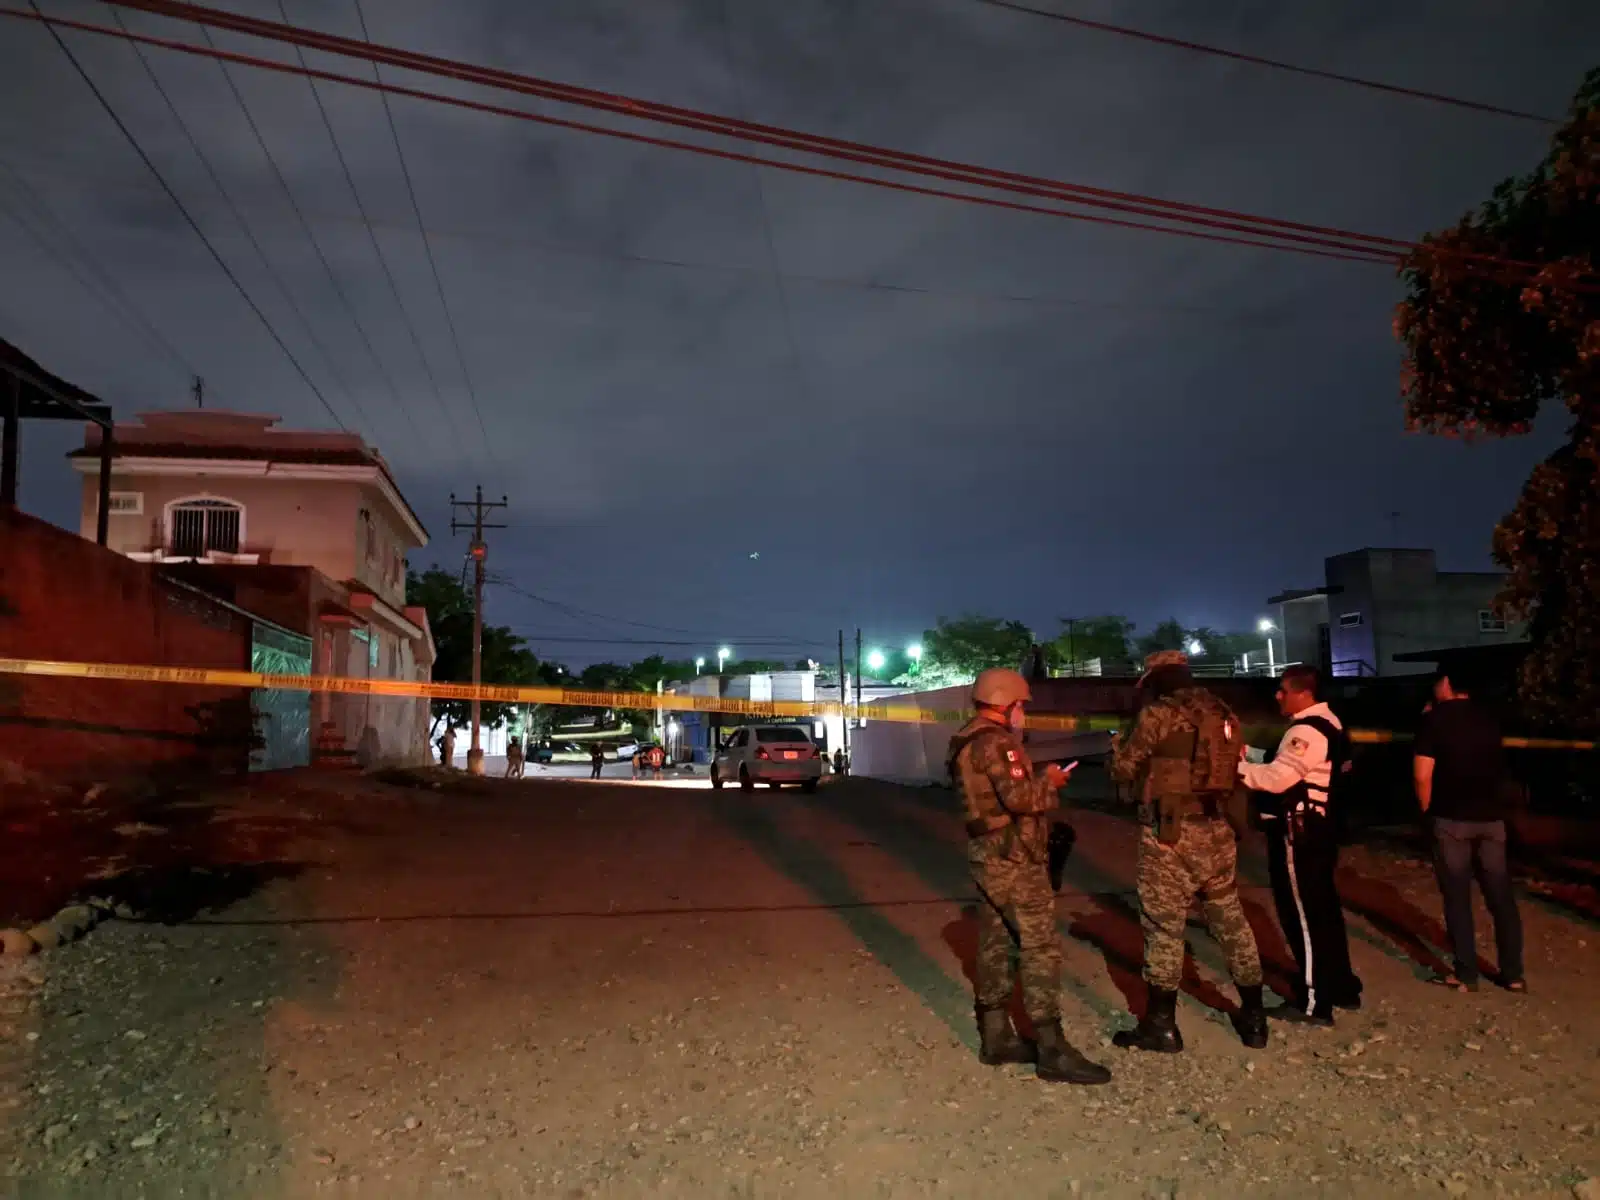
x=1007, y=810
x=1203, y=860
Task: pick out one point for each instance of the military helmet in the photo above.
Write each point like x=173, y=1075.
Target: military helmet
x=1000, y=687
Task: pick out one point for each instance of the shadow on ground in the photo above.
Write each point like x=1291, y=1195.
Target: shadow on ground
x=170, y=849
x=810, y=866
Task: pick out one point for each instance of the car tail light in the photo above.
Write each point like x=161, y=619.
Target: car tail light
x=815, y=753
x=761, y=752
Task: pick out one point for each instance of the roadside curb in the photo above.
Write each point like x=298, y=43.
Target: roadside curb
x=70, y=924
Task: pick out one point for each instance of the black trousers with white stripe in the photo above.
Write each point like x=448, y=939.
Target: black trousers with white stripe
x=1302, y=856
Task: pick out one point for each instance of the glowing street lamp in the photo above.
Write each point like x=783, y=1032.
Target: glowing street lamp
x=1266, y=627
x=914, y=653
x=1194, y=648
x=698, y=664
x=723, y=656
x=875, y=660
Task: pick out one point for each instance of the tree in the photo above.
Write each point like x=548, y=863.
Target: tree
x=506, y=658
x=1501, y=318
x=1169, y=635
x=1084, y=639
x=954, y=651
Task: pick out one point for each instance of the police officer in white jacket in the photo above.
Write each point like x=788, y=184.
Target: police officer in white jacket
x=1303, y=847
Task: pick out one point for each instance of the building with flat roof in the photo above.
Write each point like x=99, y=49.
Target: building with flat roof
x=305, y=527
x=1378, y=608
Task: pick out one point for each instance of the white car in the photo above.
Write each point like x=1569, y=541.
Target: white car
x=769, y=754
x=627, y=750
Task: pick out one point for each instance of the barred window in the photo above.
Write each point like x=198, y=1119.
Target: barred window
x=201, y=526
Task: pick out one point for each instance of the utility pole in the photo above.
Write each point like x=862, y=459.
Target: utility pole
x=844, y=724
x=858, y=674
x=477, y=507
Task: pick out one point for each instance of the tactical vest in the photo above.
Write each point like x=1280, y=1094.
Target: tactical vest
x=1192, y=771
x=984, y=812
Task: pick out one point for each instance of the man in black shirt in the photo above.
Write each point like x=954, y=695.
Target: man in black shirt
x=1460, y=776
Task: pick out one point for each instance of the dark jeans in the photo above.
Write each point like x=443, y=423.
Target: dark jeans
x=1462, y=849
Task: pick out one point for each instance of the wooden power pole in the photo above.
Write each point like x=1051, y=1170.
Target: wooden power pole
x=478, y=550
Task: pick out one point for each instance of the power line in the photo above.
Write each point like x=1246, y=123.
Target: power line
x=573, y=610
x=90, y=273
x=1267, y=233
x=1301, y=236
x=372, y=236
x=538, y=246
x=316, y=246
x=244, y=225
x=1276, y=64
x=187, y=216
x=1338, y=250
x=427, y=246
x=594, y=641
x=638, y=109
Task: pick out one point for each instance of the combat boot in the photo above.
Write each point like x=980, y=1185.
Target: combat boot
x=1060, y=1061
x=999, y=1044
x=1157, y=1029
x=1250, y=1022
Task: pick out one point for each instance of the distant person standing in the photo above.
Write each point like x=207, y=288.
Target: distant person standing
x=841, y=764
x=514, y=759
x=657, y=759
x=1299, y=794
x=597, y=759
x=447, y=747
x=1460, y=776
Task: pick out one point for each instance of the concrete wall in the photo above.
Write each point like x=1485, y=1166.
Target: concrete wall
x=377, y=728
x=1300, y=621
x=1404, y=605
x=286, y=522
x=65, y=598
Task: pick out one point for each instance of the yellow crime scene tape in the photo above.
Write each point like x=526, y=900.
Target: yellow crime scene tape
x=569, y=697
x=669, y=702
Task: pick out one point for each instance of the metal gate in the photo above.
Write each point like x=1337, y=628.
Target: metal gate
x=283, y=719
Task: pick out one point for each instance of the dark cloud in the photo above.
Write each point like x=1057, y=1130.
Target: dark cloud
x=928, y=407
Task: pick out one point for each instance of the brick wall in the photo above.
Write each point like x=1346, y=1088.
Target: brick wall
x=65, y=598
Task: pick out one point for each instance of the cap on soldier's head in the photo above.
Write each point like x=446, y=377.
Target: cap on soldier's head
x=1163, y=658
x=1000, y=687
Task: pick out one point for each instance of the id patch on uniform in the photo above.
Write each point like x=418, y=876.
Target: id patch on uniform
x=1297, y=745
x=1011, y=756
x=1017, y=772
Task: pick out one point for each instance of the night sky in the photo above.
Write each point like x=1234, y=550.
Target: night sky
x=908, y=407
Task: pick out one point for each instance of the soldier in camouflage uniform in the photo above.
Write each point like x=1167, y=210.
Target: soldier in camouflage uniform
x=1007, y=809
x=1187, y=845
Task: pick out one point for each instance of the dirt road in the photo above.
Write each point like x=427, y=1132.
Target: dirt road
x=561, y=988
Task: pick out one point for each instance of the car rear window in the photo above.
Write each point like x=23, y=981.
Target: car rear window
x=786, y=734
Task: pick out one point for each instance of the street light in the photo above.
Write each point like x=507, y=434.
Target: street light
x=1266, y=627
x=914, y=653
x=723, y=656
x=698, y=664
x=875, y=660
x=1194, y=648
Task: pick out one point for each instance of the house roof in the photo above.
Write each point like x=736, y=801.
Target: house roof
x=41, y=386
x=240, y=437
x=312, y=455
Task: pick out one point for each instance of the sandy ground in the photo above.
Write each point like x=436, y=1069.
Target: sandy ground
x=557, y=988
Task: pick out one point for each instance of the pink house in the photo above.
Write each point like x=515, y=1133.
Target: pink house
x=307, y=529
